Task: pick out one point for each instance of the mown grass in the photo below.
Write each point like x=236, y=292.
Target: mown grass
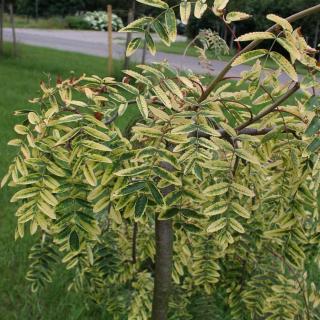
x=19, y=82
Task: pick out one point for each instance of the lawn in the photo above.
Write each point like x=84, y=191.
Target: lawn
x=41, y=23
x=19, y=81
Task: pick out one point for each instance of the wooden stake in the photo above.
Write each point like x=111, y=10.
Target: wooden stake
x=109, y=10
x=14, y=40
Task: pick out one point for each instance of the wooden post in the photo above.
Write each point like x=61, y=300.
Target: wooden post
x=1, y=25
x=14, y=39
x=129, y=37
x=109, y=10
x=36, y=9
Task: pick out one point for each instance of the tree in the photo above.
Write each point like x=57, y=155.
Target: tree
x=2, y=3
x=209, y=200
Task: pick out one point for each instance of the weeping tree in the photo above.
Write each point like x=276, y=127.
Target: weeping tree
x=205, y=205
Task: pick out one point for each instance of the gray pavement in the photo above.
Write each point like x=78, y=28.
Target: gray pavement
x=96, y=43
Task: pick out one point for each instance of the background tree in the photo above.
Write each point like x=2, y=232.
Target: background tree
x=206, y=205
x=2, y=4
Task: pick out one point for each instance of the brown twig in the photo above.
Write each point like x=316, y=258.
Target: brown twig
x=270, y=109
x=134, y=243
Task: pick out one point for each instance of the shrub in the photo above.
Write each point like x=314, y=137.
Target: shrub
x=77, y=22
x=98, y=20
x=210, y=200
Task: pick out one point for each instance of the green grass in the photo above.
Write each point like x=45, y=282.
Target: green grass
x=41, y=23
x=19, y=82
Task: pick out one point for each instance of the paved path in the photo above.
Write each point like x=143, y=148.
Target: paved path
x=95, y=43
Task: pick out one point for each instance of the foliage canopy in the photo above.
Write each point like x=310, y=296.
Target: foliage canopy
x=226, y=174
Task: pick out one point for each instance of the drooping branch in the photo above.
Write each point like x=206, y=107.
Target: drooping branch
x=254, y=44
x=247, y=131
x=134, y=242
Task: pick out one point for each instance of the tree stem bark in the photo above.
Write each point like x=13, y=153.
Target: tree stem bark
x=163, y=269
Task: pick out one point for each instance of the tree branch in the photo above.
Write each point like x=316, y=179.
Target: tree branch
x=269, y=109
x=254, y=44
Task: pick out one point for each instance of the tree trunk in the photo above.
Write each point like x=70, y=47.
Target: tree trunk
x=36, y=9
x=163, y=269
x=14, y=40
x=1, y=25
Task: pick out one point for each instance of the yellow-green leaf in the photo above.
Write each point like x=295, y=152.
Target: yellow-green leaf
x=248, y=156
x=216, y=208
x=252, y=36
x=48, y=197
x=101, y=204
x=95, y=145
x=150, y=44
x=167, y=176
x=25, y=193
x=217, y=225
x=240, y=210
x=140, y=206
x=172, y=86
x=131, y=172
x=219, y=6
x=143, y=106
x=280, y=21
x=48, y=211
x=133, y=46
x=89, y=175
x=155, y=3
x=285, y=65
x=237, y=16
x=200, y=9
x=136, y=25
x=162, y=96
x=242, y=189
x=96, y=133
x=248, y=56
x=235, y=225
x=162, y=32
x=217, y=189
x=185, y=11
x=171, y=23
